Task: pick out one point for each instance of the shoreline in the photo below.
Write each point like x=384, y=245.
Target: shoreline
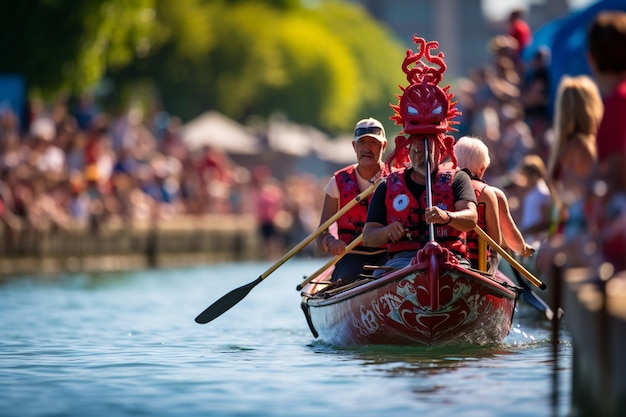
x=180, y=241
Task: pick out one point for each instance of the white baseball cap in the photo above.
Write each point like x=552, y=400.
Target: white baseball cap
x=369, y=127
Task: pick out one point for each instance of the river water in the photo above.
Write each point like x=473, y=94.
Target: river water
x=126, y=344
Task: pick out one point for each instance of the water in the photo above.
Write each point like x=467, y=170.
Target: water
x=126, y=344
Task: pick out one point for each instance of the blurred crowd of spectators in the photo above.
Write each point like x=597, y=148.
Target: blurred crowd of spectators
x=73, y=166
x=507, y=103
x=69, y=166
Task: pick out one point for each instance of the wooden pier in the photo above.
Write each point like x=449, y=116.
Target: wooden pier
x=595, y=314
x=191, y=240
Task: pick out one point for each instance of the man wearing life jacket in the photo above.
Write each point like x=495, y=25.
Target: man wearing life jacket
x=369, y=144
x=398, y=213
x=472, y=156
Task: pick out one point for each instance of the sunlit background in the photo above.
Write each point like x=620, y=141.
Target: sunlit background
x=499, y=9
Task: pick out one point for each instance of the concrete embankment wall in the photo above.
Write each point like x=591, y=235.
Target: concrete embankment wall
x=185, y=241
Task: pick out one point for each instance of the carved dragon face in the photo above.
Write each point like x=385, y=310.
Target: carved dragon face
x=424, y=109
x=423, y=106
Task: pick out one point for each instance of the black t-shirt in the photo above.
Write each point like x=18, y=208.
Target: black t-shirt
x=461, y=188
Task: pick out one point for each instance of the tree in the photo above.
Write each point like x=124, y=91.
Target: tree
x=68, y=46
x=324, y=66
x=378, y=58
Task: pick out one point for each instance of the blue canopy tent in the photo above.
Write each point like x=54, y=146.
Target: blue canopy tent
x=13, y=95
x=566, y=37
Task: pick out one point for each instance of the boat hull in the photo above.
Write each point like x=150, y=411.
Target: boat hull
x=433, y=301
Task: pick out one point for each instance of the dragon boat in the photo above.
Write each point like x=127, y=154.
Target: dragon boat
x=434, y=301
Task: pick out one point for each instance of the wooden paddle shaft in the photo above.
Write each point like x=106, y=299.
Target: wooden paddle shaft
x=536, y=282
x=429, y=191
x=331, y=262
x=227, y=301
x=320, y=229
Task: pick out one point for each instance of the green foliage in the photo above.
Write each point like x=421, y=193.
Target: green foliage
x=187, y=25
x=378, y=58
x=323, y=76
x=323, y=63
x=68, y=46
x=281, y=63
x=115, y=33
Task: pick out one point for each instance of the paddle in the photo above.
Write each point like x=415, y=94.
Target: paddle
x=429, y=191
x=531, y=298
x=433, y=275
x=331, y=262
x=536, y=282
x=229, y=300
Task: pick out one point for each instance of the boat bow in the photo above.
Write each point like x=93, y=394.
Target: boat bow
x=432, y=301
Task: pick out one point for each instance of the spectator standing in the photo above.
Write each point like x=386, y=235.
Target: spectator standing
x=505, y=52
x=46, y=157
x=578, y=113
x=86, y=111
x=607, y=59
x=516, y=140
x=537, y=204
x=520, y=31
x=270, y=209
x=536, y=94
x=485, y=122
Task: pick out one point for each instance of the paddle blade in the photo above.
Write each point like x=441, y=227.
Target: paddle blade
x=226, y=302
x=531, y=298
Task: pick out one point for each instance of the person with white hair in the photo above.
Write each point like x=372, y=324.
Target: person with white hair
x=494, y=215
x=49, y=158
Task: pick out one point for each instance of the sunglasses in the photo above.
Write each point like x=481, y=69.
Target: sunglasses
x=373, y=130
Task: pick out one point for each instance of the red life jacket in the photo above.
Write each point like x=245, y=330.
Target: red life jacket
x=350, y=225
x=472, y=236
x=402, y=206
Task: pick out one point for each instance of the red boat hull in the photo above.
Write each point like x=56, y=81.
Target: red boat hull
x=433, y=301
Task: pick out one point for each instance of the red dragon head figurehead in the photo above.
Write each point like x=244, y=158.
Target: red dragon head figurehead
x=424, y=108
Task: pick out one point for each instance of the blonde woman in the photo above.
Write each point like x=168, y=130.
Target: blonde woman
x=571, y=165
x=578, y=112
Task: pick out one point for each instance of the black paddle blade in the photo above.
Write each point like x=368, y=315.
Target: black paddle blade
x=531, y=298
x=226, y=302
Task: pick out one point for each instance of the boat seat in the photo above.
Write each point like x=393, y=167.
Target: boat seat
x=375, y=267
x=488, y=274
x=336, y=290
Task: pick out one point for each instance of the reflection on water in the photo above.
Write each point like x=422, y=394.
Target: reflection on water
x=417, y=360
x=478, y=377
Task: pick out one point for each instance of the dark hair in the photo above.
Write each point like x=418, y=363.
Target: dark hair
x=606, y=40
x=516, y=14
